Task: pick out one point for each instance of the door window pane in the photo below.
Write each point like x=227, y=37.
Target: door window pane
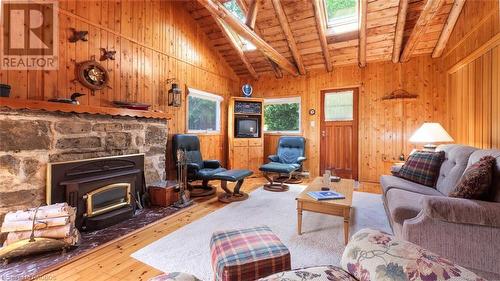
x=339, y=106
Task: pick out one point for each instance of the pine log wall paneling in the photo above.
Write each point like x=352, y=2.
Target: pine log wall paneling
x=154, y=40
x=383, y=136
x=472, y=59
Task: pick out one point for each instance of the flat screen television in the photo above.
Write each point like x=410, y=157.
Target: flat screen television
x=247, y=126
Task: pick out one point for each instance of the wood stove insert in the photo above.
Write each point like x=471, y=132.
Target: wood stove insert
x=103, y=190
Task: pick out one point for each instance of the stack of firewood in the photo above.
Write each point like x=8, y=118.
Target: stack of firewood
x=55, y=221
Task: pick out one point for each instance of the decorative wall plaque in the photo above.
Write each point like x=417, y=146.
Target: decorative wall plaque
x=92, y=75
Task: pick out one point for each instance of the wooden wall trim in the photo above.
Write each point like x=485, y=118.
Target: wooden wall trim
x=490, y=44
x=100, y=26
x=468, y=34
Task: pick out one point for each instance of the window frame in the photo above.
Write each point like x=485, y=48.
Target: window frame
x=283, y=100
x=332, y=26
x=206, y=96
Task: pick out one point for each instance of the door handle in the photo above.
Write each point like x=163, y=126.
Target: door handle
x=323, y=134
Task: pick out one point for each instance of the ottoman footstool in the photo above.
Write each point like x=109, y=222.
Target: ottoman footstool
x=237, y=176
x=247, y=254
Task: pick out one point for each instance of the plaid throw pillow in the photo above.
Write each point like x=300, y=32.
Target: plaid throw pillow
x=422, y=167
x=476, y=180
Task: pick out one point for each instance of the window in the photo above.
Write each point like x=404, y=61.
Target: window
x=342, y=15
x=282, y=115
x=203, y=111
x=339, y=106
x=236, y=10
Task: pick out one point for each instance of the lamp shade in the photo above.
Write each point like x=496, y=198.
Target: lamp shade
x=431, y=133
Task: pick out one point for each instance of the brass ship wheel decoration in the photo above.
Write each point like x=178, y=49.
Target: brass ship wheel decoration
x=92, y=75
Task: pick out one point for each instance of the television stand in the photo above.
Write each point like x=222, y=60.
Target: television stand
x=246, y=147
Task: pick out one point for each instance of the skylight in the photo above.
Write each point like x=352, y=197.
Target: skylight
x=342, y=15
x=236, y=10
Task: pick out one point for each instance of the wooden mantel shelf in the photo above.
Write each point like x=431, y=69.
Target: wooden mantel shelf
x=62, y=107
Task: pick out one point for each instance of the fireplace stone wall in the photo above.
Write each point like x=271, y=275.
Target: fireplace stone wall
x=31, y=139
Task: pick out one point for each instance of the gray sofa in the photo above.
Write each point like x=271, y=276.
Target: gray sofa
x=465, y=231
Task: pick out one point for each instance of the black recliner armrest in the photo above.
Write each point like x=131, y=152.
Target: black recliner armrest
x=193, y=166
x=273, y=158
x=211, y=164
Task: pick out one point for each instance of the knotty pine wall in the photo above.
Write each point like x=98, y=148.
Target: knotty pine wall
x=382, y=133
x=154, y=40
x=473, y=75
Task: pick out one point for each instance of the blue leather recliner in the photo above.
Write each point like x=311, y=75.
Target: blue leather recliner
x=287, y=162
x=198, y=169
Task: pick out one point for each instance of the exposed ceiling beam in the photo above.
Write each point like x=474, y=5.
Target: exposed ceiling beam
x=427, y=14
x=276, y=70
x=448, y=28
x=237, y=47
x=218, y=10
x=400, y=30
x=363, y=5
x=252, y=14
x=289, y=36
x=319, y=14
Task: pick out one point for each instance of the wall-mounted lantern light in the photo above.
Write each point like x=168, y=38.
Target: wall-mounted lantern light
x=175, y=96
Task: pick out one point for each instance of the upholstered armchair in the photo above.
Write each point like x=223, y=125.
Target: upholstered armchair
x=198, y=169
x=285, y=163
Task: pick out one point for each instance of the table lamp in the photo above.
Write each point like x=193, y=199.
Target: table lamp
x=429, y=134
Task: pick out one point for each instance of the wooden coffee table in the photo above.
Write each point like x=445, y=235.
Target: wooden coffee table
x=338, y=207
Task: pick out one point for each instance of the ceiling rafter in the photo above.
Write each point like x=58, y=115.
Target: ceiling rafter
x=319, y=12
x=289, y=36
x=277, y=71
x=237, y=47
x=363, y=6
x=243, y=6
x=429, y=11
x=448, y=28
x=400, y=30
x=252, y=14
x=218, y=10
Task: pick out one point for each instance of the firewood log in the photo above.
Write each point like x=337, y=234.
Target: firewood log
x=60, y=232
x=44, y=212
x=12, y=226
x=73, y=239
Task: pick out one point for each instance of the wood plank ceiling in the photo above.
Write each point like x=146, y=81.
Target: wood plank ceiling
x=421, y=27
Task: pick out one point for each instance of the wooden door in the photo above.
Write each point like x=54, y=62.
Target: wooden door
x=339, y=132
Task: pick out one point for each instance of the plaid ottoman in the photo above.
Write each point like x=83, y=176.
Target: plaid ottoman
x=247, y=254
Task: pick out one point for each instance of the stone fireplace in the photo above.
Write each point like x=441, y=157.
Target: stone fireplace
x=30, y=139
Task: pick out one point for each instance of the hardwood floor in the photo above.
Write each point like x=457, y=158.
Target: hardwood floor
x=113, y=262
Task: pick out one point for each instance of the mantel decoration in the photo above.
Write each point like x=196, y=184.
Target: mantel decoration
x=175, y=95
x=72, y=100
x=131, y=105
x=92, y=75
x=247, y=90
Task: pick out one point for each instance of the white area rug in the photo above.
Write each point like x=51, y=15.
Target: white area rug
x=322, y=242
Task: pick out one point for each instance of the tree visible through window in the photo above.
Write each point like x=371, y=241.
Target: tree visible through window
x=340, y=8
x=342, y=15
x=203, y=111
x=282, y=115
